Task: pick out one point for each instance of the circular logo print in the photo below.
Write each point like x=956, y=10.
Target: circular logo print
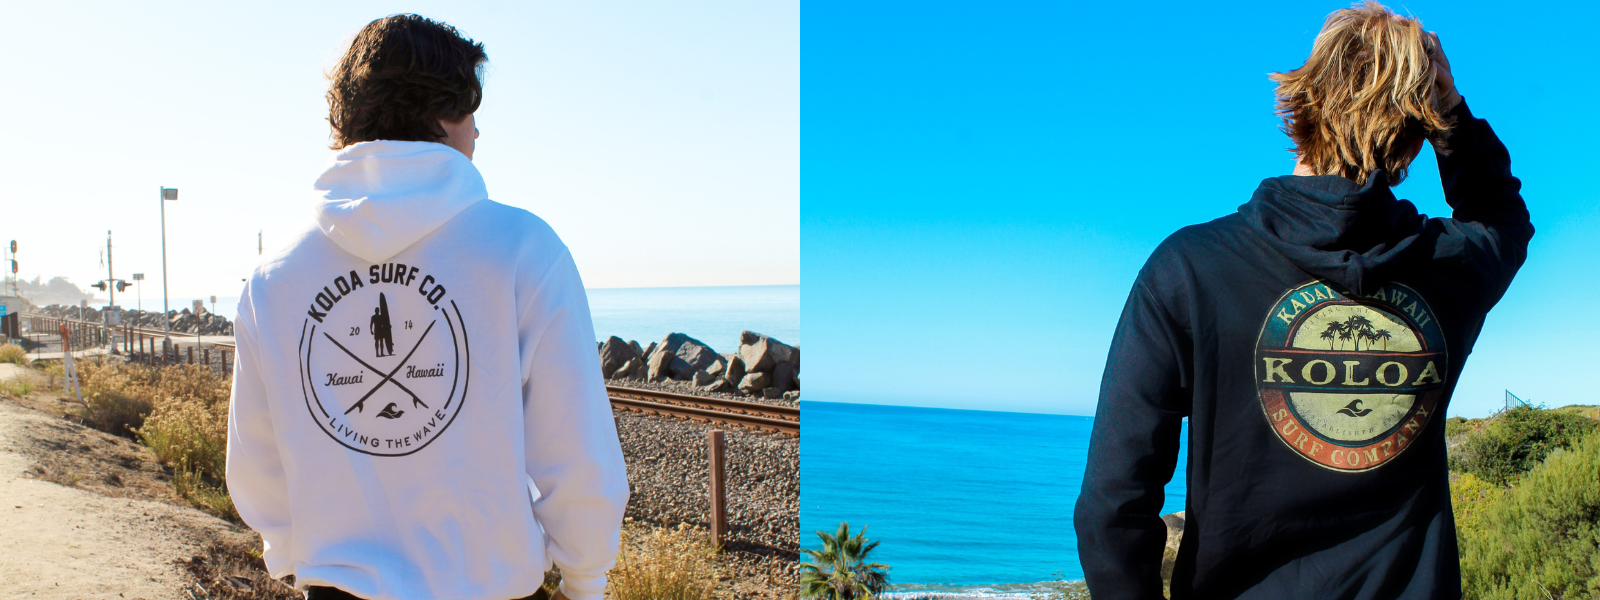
x=384, y=360
x=1348, y=382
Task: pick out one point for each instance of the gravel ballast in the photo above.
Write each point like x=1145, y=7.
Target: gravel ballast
x=669, y=476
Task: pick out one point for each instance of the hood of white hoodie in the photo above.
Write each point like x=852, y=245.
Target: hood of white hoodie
x=379, y=198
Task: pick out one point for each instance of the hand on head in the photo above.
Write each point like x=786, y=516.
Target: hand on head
x=1443, y=82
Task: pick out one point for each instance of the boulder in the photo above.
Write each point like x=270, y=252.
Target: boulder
x=637, y=351
x=613, y=354
x=771, y=393
x=690, y=355
x=761, y=353
x=717, y=368
x=720, y=385
x=783, y=377
x=649, y=351
x=735, y=371
x=753, y=383
x=659, y=368
x=633, y=369
x=701, y=378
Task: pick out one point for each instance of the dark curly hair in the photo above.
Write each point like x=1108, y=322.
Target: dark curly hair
x=401, y=75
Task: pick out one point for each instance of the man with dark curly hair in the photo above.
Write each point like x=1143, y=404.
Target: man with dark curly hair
x=472, y=447
x=1313, y=340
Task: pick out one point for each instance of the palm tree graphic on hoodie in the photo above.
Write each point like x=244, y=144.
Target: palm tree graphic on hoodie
x=1356, y=329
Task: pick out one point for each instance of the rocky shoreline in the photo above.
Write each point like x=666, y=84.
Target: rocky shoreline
x=763, y=367
x=184, y=321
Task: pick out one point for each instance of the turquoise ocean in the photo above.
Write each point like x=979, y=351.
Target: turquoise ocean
x=963, y=501
x=714, y=315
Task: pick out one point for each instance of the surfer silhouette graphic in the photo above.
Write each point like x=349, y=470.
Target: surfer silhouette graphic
x=382, y=334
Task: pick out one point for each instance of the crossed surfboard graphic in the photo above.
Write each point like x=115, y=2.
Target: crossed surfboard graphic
x=388, y=411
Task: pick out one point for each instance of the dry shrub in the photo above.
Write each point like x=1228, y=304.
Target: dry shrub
x=12, y=353
x=179, y=411
x=54, y=371
x=665, y=564
x=210, y=496
x=188, y=431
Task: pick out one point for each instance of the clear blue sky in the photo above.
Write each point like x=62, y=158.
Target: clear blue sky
x=659, y=140
x=982, y=181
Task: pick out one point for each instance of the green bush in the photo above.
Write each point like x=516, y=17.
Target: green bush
x=1540, y=539
x=1515, y=441
x=1455, y=426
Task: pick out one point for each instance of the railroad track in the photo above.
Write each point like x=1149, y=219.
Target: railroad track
x=777, y=419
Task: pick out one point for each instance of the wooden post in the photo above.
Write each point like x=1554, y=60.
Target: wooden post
x=225, y=368
x=205, y=355
x=719, y=489
x=191, y=355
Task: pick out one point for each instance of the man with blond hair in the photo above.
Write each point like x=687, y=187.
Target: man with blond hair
x=1313, y=340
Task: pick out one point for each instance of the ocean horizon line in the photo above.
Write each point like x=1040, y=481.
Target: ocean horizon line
x=944, y=408
x=693, y=287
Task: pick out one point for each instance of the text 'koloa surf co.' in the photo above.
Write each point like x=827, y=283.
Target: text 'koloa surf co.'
x=384, y=359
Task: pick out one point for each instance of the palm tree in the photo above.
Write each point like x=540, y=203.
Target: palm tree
x=1383, y=334
x=1345, y=334
x=1333, y=330
x=840, y=571
x=1361, y=329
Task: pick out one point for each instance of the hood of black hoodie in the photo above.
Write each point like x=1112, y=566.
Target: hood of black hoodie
x=1335, y=229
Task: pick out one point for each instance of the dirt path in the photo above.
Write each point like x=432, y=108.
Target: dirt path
x=85, y=515
x=61, y=542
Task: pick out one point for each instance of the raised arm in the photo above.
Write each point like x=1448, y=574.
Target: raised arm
x=1133, y=450
x=1491, y=226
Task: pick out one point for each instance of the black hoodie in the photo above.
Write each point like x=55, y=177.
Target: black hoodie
x=1313, y=340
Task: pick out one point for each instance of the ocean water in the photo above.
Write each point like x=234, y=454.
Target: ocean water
x=714, y=315
x=962, y=500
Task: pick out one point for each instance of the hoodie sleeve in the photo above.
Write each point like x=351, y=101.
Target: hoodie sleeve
x=1133, y=450
x=573, y=455
x=1491, y=228
x=255, y=473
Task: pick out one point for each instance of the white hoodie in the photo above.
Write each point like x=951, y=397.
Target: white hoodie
x=417, y=404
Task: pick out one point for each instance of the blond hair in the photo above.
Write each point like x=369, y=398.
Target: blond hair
x=1365, y=97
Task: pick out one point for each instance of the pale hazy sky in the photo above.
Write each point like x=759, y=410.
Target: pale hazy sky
x=661, y=142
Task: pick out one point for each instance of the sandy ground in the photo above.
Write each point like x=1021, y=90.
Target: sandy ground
x=87, y=515
x=61, y=542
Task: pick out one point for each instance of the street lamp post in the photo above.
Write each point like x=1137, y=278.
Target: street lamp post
x=166, y=320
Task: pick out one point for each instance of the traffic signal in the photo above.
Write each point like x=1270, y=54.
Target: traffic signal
x=121, y=285
x=99, y=286
x=13, y=261
x=13, y=246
